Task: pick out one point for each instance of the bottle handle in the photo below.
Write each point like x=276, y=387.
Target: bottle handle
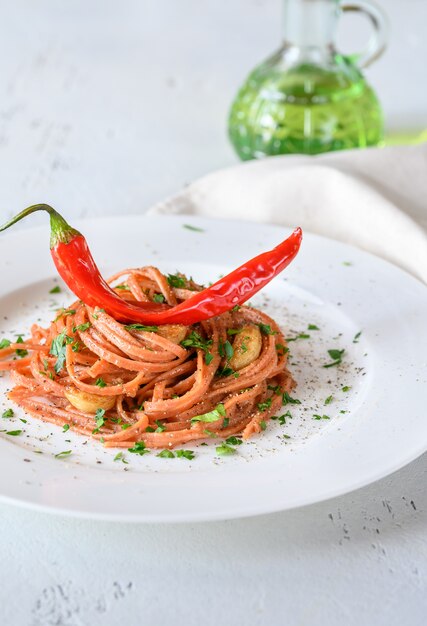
x=378, y=40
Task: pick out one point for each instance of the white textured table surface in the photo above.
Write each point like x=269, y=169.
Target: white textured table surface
x=107, y=107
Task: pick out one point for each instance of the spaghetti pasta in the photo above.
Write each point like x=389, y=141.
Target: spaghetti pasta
x=162, y=386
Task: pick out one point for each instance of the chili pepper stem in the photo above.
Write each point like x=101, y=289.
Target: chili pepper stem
x=60, y=230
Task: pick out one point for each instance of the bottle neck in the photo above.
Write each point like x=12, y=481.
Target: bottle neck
x=309, y=24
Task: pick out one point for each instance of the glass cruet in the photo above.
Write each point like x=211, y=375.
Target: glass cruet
x=307, y=97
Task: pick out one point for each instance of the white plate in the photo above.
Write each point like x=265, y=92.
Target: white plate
x=376, y=427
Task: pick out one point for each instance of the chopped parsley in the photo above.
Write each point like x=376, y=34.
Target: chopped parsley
x=64, y=313
x=277, y=389
x=160, y=427
x=120, y=457
x=99, y=420
x=147, y=329
x=329, y=399
x=166, y=454
x=14, y=433
x=282, y=418
x=195, y=340
x=158, y=297
x=346, y=388
x=56, y=289
x=100, y=382
x=4, y=343
x=208, y=358
x=174, y=280
x=19, y=352
x=60, y=455
x=336, y=356
x=357, y=337
x=8, y=413
x=225, y=422
x=321, y=417
x=234, y=331
x=195, y=229
x=281, y=349
x=82, y=327
x=123, y=287
x=185, y=454
x=266, y=329
x=211, y=416
x=139, y=448
x=287, y=399
x=227, y=371
x=57, y=348
x=233, y=441
x=225, y=450
x=300, y=336
x=263, y=425
x=228, y=349
x=65, y=428
x=263, y=406
x=313, y=327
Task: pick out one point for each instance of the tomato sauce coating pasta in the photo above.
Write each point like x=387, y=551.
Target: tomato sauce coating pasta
x=163, y=386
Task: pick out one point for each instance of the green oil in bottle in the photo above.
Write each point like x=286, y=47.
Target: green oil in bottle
x=307, y=110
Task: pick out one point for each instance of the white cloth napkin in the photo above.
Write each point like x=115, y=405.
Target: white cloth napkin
x=374, y=199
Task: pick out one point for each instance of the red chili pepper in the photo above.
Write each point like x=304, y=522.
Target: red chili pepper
x=76, y=266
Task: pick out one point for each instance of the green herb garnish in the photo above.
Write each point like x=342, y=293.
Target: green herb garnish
x=357, y=337
x=185, y=454
x=158, y=297
x=336, y=355
x=166, y=454
x=195, y=340
x=139, y=448
x=99, y=420
x=346, y=388
x=228, y=350
x=266, y=329
x=211, y=416
x=196, y=229
x=174, y=280
x=263, y=406
x=82, y=327
x=313, y=327
x=65, y=428
x=4, y=343
x=225, y=450
x=56, y=289
x=8, y=413
x=147, y=329
x=58, y=349
x=286, y=399
x=233, y=441
x=100, y=382
x=19, y=352
x=300, y=336
x=321, y=417
x=63, y=453
x=329, y=399
x=120, y=457
x=160, y=427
